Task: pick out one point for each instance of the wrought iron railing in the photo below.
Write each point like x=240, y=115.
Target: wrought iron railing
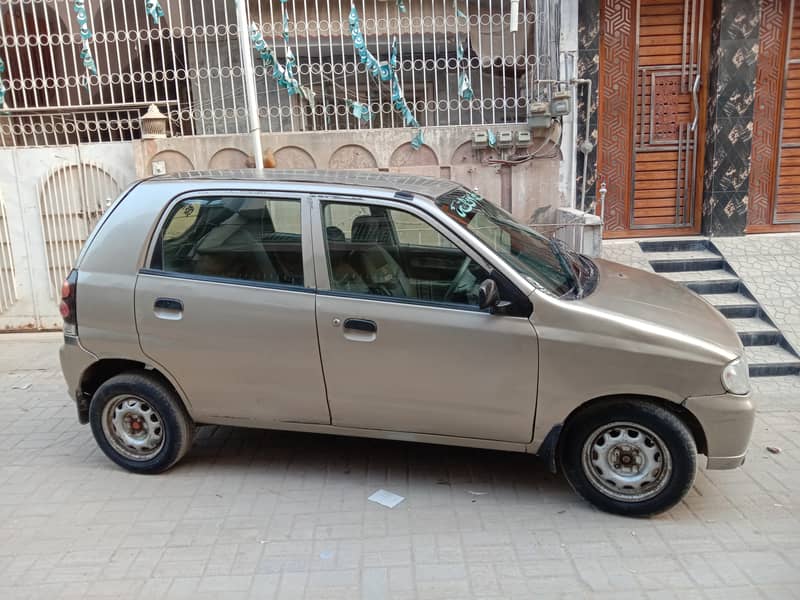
x=456, y=63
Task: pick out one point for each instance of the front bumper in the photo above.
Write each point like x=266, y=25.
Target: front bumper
x=74, y=362
x=727, y=421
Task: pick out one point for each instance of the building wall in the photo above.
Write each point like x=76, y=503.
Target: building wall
x=529, y=191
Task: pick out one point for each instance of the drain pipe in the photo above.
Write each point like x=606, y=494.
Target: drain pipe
x=249, y=83
x=586, y=147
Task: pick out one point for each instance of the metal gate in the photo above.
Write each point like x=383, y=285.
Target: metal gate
x=50, y=200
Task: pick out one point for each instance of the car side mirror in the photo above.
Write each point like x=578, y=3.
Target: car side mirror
x=489, y=297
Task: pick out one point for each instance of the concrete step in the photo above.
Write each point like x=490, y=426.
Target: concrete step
x=702, y=254
x=729, y=300
x=754, y=331
x=771, y=361
x=729, y=286
x=708, y=263
x=751, y=325
x=704, y=276
x=674, y=245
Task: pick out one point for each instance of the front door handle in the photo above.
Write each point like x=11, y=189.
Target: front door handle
x=362, y=325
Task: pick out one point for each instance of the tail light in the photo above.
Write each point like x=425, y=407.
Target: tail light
x=68, y=305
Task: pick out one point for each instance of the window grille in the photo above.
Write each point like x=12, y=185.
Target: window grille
x=187, y=63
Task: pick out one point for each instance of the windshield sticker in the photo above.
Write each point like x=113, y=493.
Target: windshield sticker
x=464, y=206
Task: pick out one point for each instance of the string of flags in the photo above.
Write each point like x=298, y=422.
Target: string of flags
x=87, y=59
x=386, y=71
x=283, y=75
x=2, y=86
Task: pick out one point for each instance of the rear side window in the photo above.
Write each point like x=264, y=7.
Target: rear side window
x=237, y=238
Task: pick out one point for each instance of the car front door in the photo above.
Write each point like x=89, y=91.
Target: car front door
x=404, y=345
x=226, y=306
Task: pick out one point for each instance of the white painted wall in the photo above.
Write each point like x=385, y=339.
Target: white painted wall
x=22, y=173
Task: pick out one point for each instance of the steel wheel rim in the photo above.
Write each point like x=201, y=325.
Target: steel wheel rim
x=133, y=427
x=626, y=461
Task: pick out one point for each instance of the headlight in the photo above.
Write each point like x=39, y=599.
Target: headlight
x=735, y=377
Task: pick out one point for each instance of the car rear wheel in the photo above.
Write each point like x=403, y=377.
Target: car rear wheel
x=629, y=457
x=139, y=423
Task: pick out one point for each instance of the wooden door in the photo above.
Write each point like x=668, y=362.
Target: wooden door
x=775, y=170
x=651, y=122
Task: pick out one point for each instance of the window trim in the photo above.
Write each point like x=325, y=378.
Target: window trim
x=283, y=287
x=309, y=280
x=322, y=262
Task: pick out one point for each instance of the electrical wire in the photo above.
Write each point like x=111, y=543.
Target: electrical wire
x=513, y=161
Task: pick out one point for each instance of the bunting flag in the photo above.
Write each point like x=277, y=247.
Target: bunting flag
x=385, y=71
x=2, y=86
x=465, y=90
x=491, y=138
x=153, y=8
x=360, y=111
x=86, y=35
x=401, y=6
x=464, y=82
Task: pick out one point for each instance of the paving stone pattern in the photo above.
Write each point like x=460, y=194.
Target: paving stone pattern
x=255, y=514
x=770, y=266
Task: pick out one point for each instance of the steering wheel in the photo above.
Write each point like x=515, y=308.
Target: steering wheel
x=455, y=284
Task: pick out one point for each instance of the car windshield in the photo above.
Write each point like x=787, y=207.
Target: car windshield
x=538, y=259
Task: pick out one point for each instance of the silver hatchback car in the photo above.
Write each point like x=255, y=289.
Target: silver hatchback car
x=399, y=307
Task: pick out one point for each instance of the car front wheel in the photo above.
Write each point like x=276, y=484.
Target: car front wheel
x=629, y=457
x=139, y=423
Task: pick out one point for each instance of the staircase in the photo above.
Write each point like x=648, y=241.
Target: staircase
x=701, y=267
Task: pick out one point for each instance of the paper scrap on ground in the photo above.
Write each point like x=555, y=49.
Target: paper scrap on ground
x=477, y=493
x=387, y=499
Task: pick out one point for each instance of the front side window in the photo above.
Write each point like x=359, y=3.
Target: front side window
x=388, y=252
x=238, y=238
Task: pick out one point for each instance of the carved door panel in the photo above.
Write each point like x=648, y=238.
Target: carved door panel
x=651, y=122
x=775, y=171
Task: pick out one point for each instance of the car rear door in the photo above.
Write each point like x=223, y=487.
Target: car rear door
x=403, y=349
x=225, y=305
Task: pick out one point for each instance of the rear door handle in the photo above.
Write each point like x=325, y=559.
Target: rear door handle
x=168, y=304
x=363, y=325
x=168, y=309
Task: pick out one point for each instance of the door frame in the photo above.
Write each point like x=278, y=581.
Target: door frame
x=627, y=143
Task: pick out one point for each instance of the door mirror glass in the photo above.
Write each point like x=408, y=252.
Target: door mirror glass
x=488, y=294
x=489, y=297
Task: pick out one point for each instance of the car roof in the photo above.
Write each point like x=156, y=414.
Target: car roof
x=396, y=182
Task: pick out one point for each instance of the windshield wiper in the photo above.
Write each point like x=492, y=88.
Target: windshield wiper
x=568, y=268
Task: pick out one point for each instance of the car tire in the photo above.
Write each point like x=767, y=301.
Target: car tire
x=140, y=423
x=629, y=457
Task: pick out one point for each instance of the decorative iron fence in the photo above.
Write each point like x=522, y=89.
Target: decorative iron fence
x=460, y=62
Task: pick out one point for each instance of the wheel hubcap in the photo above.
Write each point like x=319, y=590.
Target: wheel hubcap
x=627, y=462
x=133, y=427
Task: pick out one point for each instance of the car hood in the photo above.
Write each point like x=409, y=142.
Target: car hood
x=648, y=297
